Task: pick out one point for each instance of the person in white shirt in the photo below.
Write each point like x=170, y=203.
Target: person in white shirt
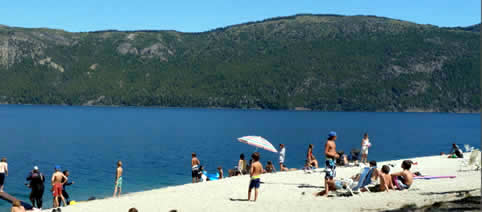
x=282, y=155
x=365, y=144
x=3, y=172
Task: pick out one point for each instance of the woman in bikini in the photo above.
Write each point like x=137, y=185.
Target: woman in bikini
x=310, y=157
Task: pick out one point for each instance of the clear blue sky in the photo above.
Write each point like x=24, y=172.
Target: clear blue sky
x=198, y=15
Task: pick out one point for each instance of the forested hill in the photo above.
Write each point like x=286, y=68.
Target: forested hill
x=319, y=62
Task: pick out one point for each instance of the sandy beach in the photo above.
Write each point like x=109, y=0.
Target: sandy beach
x=293, y=191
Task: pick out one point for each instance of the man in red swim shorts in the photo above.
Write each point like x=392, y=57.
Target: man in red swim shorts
x=57, y=185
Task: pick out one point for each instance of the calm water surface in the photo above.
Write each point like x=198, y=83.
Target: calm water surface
x=155, y=145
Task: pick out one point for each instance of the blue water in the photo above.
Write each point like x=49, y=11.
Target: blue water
x=155, y=144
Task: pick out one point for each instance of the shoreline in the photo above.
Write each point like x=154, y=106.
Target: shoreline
x=296, y=109
x=289, y=191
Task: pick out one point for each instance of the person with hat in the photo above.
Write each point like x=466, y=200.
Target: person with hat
x=37, y=180
x=330, y=164
x=57, y=178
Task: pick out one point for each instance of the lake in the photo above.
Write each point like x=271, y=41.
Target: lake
x=155, y=144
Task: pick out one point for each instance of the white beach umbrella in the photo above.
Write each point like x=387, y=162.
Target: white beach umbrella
x=258, y=142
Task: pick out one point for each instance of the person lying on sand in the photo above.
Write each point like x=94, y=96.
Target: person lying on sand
x=404, y=179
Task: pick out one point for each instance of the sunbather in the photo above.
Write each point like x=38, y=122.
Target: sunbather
x=270, y=167
x=404, y=179
x=455, y=152
x=385, y=180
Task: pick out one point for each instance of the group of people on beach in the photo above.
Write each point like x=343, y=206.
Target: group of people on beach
x=399, y=180
x=59, y=181
x=35, y=181
x=254, y=168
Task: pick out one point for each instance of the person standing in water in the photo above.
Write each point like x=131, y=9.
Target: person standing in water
x=3, y=172
x=37, y=180
x=66, y=183
x=330, y=165
x=195, y=168
x=118, y=179
x=365, y=144
x=282, y=155
x=57, y=185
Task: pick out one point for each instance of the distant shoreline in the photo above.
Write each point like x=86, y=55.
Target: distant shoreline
x=297, y=109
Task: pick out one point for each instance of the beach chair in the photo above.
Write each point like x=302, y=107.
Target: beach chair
x=364, y=181
x=472, y=161
x=468, y=148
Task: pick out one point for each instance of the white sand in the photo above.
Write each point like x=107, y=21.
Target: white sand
x=293, y=191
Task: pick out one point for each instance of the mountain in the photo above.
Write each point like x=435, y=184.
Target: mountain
x=318, y=62
x=473, y=28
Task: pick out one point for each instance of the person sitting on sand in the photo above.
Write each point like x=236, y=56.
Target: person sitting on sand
x=404, y=179
x=342, y=160
x=202, y=176
x=195, y=168
x=270, y=167
x=17, y=206
x=255, y=173
x=385, y=180
x=310, y=157
x=455, y=152
x=242, y=165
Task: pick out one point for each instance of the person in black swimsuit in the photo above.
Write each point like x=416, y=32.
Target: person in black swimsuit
x=37, y=180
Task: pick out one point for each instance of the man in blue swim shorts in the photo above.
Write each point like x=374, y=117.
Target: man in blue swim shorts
x=330, y=165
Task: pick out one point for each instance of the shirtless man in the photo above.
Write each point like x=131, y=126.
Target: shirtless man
x=254, y=173
x=385, y=179
x=403, y=179
x=195, y=163
x=57, y=178
x=330, y=164
x=118, y=179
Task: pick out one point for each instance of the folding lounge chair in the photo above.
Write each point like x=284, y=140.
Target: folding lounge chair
x=472, y=161
x=365, y=180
